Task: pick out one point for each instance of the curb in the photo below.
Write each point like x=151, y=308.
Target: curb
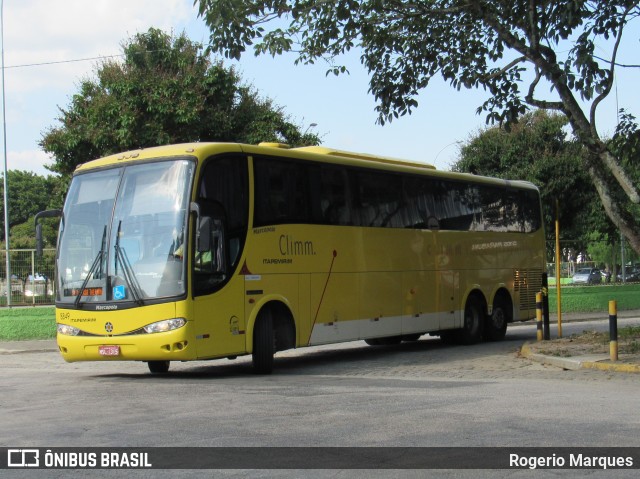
x=4, y=352
x=29, y=346
x=579, y=362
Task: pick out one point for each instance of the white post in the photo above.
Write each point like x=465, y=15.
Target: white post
x=6, y=180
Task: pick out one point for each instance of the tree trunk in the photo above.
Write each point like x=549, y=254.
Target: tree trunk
x=601, y=161
x=624, y=221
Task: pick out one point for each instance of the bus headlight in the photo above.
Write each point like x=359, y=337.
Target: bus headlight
x=165, y=325
x=68, y=330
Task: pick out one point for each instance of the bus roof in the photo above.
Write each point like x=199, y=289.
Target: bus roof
x=321, y=150
x=204, y=149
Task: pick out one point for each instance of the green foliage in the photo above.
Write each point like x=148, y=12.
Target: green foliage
x=29, y=193
x=405, y=44
x=601, y=250
x=523, y=54
x=625, y=145
x=165, y=91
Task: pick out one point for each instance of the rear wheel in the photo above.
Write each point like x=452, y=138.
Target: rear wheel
x=471, y=332
x=158, y=367
x=263, y=344
x=496, y=325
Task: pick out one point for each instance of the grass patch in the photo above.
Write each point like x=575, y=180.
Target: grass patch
x=587, y=299
x=18, y=324
x=629, y=332
x=628, y=337
x=593, y=342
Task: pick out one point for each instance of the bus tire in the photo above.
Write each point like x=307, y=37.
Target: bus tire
x=472, y=328
x=372, y=342
x=496, y=325
x=158, y=367
x=263, y=344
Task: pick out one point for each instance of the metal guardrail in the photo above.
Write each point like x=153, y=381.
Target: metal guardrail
x=32, y=280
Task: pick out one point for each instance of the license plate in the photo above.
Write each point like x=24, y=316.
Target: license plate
x=109, y=350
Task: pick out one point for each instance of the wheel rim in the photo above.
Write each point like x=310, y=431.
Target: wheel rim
x=498, y=318
x=472, y=320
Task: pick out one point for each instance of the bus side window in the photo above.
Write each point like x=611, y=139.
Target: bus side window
x=378, y=199
x=334, y=196
x=419, y=204
x=211, y=258
x=281, y=192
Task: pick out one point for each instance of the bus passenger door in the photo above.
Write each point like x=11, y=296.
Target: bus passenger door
x=219, y=294
x=217, y=284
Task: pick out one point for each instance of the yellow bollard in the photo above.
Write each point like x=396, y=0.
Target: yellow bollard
x=539, y=315
x=613, y=330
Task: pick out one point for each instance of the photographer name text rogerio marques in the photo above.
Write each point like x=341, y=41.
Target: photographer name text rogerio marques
x=578, y=461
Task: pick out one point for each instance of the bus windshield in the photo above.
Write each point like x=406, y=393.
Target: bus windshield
x=122, y=234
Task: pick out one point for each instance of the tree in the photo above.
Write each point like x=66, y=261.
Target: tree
x=536, y=149
x=165, y=91
x=29, y=193
x=516, y=50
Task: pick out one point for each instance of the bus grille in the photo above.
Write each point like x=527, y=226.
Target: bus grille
x=527, y=283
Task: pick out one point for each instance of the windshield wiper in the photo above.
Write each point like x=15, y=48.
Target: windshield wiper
x=127, y=270
x=97, y=263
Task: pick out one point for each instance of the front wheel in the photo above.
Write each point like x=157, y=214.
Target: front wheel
x=263, y=344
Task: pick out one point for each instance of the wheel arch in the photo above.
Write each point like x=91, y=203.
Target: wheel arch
x=476, y=292
x=283, y=323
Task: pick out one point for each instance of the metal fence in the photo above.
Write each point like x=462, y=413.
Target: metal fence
x=32, y=280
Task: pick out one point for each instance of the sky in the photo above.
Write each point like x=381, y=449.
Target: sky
x=40, y=33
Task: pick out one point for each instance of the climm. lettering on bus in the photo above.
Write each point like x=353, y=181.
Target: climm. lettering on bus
x=292, y=247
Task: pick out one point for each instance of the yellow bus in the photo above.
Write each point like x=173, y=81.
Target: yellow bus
x=213, y=250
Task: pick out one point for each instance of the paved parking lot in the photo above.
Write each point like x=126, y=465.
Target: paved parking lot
x=416, y=394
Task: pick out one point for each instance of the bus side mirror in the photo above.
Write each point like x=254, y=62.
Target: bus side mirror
x=219, y=247
x=43, y=214
x=203, y=241
x=39, y=240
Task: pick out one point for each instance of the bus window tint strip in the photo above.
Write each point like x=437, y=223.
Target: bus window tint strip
x=290, y=191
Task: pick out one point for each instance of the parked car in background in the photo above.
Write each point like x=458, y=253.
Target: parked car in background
x=587, y=276
x=632, y=275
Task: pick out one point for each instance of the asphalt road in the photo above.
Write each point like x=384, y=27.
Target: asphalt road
x=415, y=394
